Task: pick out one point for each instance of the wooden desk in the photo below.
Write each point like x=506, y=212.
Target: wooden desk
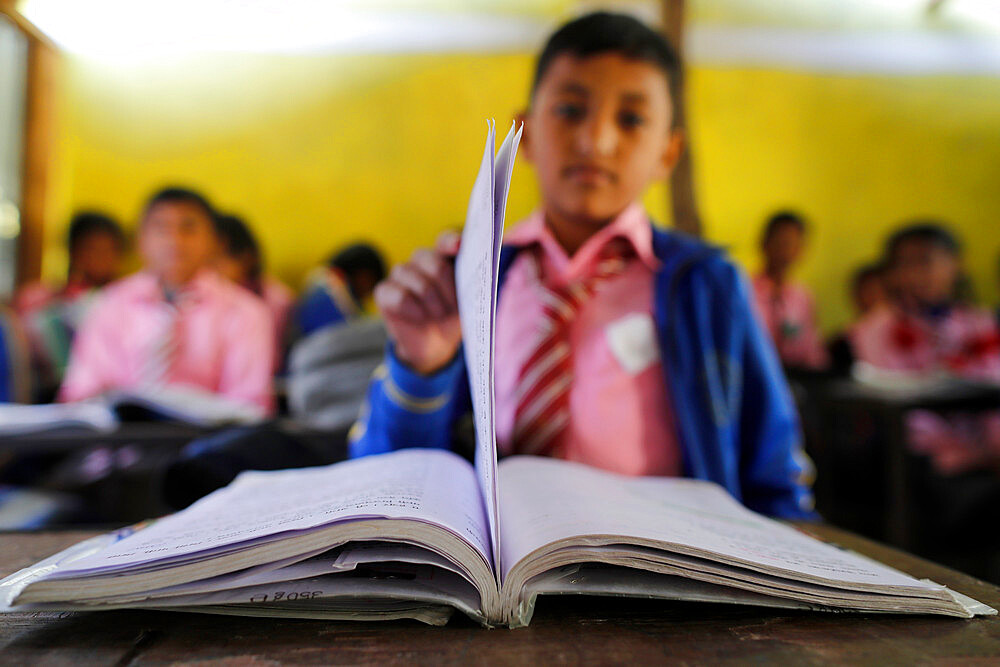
x=570, y=630
x=844, y=398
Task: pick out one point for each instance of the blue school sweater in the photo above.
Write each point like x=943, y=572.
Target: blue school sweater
x=736, y=421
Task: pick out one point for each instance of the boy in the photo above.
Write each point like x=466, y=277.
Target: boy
x=618, y=345
x=96, y=252
x=177, y=322
x=242, y=262
x=787, y=306
x=337, y=292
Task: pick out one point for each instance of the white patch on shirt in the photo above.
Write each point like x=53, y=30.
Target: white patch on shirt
x=632, y=340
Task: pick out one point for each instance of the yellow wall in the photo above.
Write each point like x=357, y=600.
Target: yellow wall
x=320, y=150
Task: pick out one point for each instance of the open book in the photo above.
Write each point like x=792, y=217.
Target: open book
x=421, y=533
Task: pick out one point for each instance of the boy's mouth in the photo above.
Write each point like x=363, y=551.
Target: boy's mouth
x=588, y=174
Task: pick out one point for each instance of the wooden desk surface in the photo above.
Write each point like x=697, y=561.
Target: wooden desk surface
x=564, y=630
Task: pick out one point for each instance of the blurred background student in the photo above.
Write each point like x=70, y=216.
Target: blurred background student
x=177, y=322
x=242, y=262
x=339, y=291
x=932, y=328
x=52, y=314
x=787, y=306
x=868, y=293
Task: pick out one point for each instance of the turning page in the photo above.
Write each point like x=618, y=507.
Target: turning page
x=476, y=282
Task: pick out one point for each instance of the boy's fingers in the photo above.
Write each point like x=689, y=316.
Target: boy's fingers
x=395, y=300
x=422, y=287
x=448, y=243
x=441, y=272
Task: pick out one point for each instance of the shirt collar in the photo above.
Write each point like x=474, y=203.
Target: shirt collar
x=204, y=284
x=632, y=224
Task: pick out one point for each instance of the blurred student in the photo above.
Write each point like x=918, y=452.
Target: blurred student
x=930, y=329
x=338, y=291
x=51, y=315
x=241, y=261
x=177, y=322
x=868, y=294
x=868, y=290
x=786, y=306
x=96, y=254
x=619, y=344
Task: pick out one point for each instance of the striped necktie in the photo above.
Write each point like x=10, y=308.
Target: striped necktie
x=542, y=391
x=166, y=345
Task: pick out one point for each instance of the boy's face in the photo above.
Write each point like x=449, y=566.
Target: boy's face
x=97, y=258
x=869, y=293
x=177, y=240
x=783, y=247
x=925, y=272
x=235, y=267
x=598, y=133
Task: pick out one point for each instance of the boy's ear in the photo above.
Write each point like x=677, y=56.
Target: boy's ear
x=672, y=152
x=524, y=148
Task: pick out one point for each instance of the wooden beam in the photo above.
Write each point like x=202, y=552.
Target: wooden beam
x=9, y=9
x=682, y=192
x=39, y=146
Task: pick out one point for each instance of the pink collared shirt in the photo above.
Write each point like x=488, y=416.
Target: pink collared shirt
x=225, y=340
x=620, y=416
x=789, y=315
x=279, y=300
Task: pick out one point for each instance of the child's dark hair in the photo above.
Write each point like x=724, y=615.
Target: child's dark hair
x=238, y=240
x=90, y=223
x=779, y=220
x=925, y=231
x=359, y=257
x=175, y=195
x=603, y=32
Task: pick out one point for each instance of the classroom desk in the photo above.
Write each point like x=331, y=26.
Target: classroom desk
x=842, y=398
x=580, y=630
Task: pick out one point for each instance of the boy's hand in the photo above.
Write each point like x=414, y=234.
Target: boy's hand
x=420, y=308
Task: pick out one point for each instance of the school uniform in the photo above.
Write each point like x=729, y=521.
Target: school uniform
x=671, y=372
x=211, y=335
x=788, y=312
x=327, y=300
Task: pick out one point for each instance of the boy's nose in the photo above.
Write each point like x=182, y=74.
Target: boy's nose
x=597, y=137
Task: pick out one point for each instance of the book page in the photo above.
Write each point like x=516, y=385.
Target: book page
x=546, y=500
x=476, y=282
x=432, y=486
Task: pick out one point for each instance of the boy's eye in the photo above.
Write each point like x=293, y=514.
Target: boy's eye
x=570, y=111
x=630, y=119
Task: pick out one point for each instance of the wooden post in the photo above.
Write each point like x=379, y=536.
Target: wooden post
x=38, y=144
x=682, y=197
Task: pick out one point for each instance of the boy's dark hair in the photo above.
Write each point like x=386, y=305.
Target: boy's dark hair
x=359, y=257
x=603, y=32
x=174, y=194
x=926, y=231
x=779, y=220
x=237, y=240
x=89, y=223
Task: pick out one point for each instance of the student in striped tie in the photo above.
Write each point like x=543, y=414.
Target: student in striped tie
x=619, y=344
x=176, y=322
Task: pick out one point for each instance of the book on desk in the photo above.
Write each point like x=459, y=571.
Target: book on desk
x=421, y=533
